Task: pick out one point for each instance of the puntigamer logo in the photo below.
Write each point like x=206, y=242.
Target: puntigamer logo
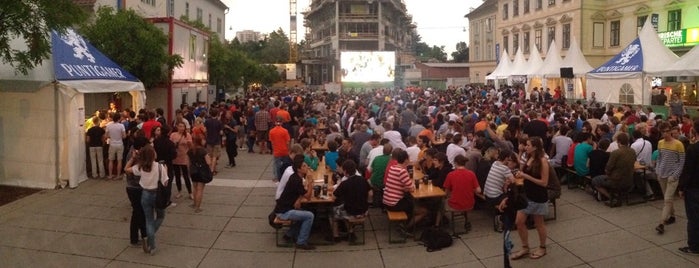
x=80, y=49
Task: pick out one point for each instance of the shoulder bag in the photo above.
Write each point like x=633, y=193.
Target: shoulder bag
x=162, y=197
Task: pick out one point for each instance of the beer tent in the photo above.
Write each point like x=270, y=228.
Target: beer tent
x=626, y=78
x=42, y=138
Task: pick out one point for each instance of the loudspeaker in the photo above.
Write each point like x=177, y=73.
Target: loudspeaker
x=567, y=72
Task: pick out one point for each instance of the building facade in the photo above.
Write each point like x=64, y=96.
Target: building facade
x=333, y=26
x=602, y=27
x=482, y=43
x=211, y=13
x=249, y=36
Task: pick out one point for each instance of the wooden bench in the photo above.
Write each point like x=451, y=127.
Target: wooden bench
x=281, y=224
x=454, y=215
x=395, y=217
x=352, y=224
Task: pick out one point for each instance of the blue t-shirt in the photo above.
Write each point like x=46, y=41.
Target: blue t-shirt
x=331, y=160
x=582, y=153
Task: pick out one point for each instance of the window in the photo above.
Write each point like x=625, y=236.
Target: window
x=525, y=42
x=186, y=9
x=640, y=20
x=219, y=26
x=566, y=36
x=525, y=6
x=598, y=34
x=674, y=20
x=515, y=8
x=200, y=15
x=506, y=43
x=538, y=4
x=192, y=47
x=515, y=42
x=477, y=51
x=504, y=11
x=171, y=8
x=552, y=2
x=148, y=2
x=614, y=32
x=551, y=34
x=488, y=25
x=626, y=93
x=489, y=52
x=209, y=25
x=537, y=39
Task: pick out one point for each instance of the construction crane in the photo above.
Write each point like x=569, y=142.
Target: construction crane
x=293, y=53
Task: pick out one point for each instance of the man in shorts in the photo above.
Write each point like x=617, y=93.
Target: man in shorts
x=214, y=129
x=116, y=132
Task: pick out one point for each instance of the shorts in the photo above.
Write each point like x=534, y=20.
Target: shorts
x=534, y=208
x=261, y=135
x=116, y=152
x=213, y=150
x=405, y=204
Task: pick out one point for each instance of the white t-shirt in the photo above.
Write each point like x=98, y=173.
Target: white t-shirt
x=395, y=138
x=643, y=149
x=149, y=180
x=413, y=152
x=373, y=154
x=452, y=151
x=115, y=133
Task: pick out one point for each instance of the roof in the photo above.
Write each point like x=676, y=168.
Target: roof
x=487, y=6
x=447, y=65
x=219, y=3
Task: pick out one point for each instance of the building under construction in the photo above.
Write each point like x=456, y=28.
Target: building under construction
x=333, y=26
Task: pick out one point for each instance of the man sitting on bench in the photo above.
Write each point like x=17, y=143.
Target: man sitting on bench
x=618, y=171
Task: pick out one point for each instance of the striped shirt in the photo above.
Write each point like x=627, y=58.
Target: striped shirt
x=670, y=159
x=497, y=176
x=397, y=182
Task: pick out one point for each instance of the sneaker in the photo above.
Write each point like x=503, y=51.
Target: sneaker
x=670, y=220
x=152, y=251
x=136, y=244
x=172, y=205
x=660, y=229
x=305, y=247
x=688, y=250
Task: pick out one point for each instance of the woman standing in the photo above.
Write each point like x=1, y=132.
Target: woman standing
x=536, y=176
x=198, y=155
x=150, y=172
x=230, y=129
x=165, y=152
x=183, y=142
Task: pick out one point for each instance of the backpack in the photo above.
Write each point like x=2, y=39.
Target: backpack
x=435, y=239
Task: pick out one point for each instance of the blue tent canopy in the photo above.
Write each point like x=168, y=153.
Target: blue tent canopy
x=628, y=60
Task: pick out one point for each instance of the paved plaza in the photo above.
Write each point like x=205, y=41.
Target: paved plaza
x=89, y=227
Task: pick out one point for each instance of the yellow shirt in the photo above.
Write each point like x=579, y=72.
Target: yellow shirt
x=501, y=129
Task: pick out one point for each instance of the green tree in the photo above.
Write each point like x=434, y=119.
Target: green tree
x=276, y=48
x=135, y=44
x=461, y=53
x=31, y=20
x=425, y=53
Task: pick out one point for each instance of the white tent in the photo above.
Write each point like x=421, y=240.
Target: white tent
x=626, y=77
x=687, y=65
x=576, y=60
x=503, y=69
x=519, y=64
x=534, y=63
x=552, y=62
x=42, y=139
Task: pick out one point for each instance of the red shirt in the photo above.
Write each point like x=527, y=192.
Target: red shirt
x=149, y=125
x=397, y=183
x=280, y=138
x=462, y=183
x=571, y=154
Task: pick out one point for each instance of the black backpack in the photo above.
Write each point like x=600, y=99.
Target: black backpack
x=436, y=239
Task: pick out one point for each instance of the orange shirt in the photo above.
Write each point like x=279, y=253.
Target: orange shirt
x=480, y=126
x=280, y=138
x=284, y=114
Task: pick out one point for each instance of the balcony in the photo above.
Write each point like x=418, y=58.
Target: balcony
x=359, y=36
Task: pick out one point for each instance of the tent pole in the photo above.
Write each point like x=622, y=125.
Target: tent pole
x=55, y=125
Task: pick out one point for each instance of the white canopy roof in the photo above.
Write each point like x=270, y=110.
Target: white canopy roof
x=519, y=65
x=503, y=68
x=534, y=63
x=552, y=64
x=685, y=66
x=576, y=60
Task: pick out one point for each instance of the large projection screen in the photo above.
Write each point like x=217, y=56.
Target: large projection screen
x=367, y=69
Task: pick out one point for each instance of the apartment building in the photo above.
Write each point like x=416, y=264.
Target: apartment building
x=249, y=36
x=482, y=43
x=333, y=26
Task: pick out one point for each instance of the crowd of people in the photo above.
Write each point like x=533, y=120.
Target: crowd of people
x=489, y=148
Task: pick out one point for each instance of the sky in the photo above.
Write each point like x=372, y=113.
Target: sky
x=439, y=22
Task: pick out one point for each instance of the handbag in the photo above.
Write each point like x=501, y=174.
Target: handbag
x=162, y=197
x=202, y=171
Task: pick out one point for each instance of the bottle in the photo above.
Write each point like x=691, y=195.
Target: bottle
x=325, y=189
